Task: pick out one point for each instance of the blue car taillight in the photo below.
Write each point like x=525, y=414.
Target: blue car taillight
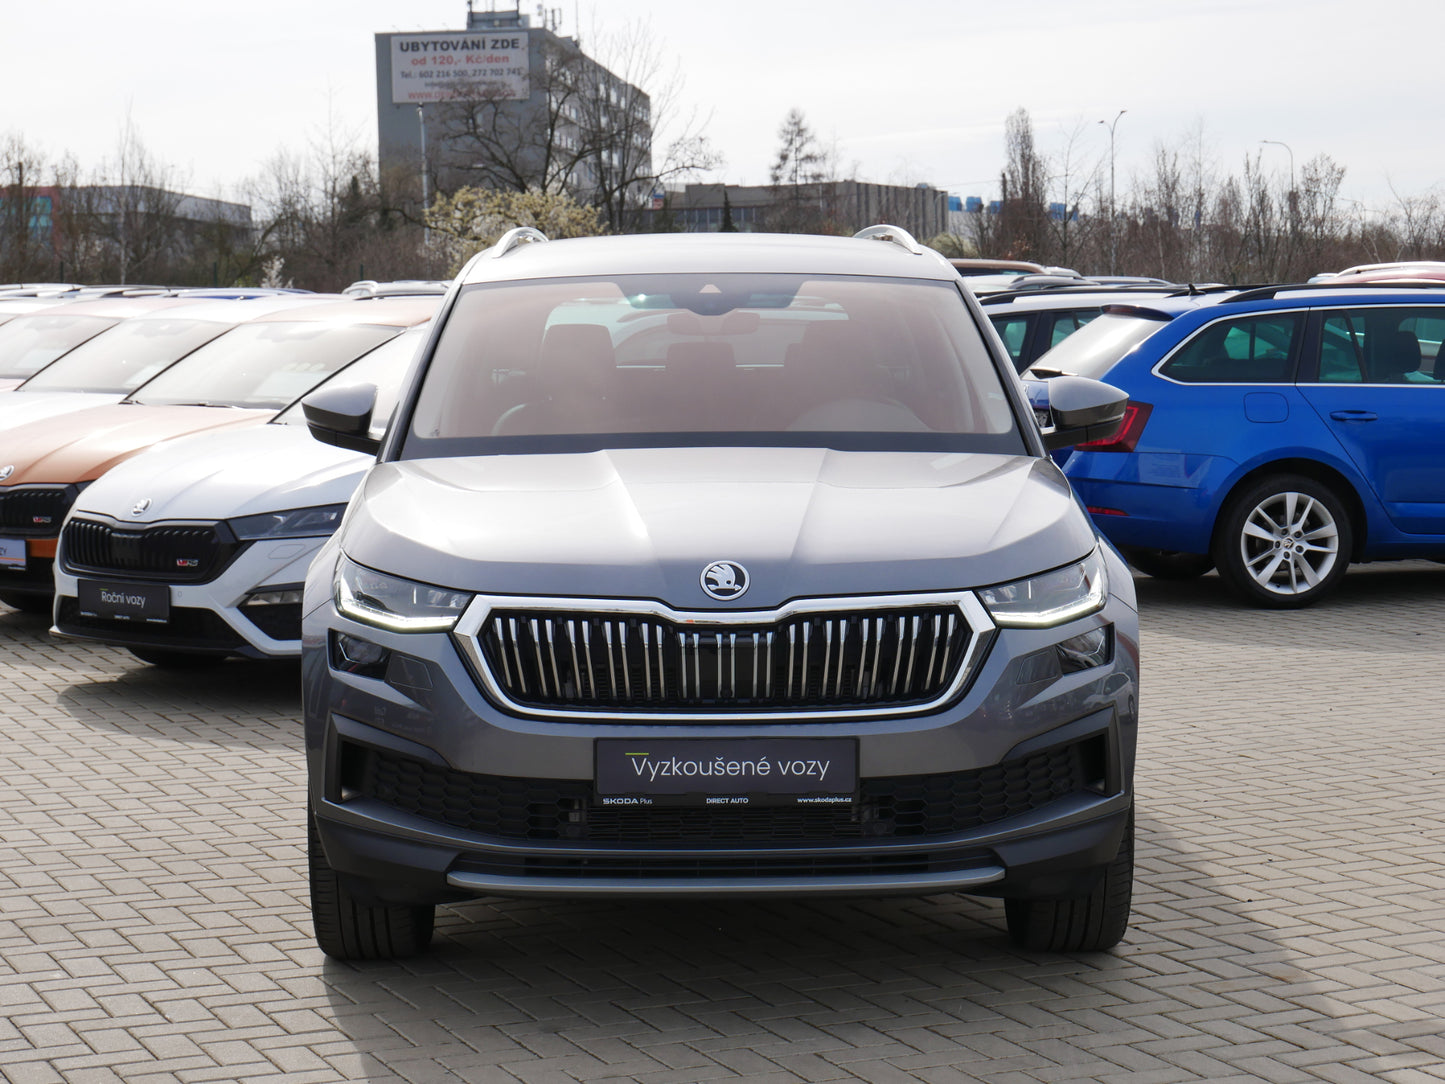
x=1131, y=428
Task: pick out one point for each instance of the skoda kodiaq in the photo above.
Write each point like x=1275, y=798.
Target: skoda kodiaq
x=717, y=565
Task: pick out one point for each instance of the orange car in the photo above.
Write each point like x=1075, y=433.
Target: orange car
x=243, y=377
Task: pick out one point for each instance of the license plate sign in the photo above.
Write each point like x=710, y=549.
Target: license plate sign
x=12, y=553
x=143, y=602
x=723, y=772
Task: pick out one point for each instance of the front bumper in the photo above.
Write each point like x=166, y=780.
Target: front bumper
x=210, y=618
x=424, y=791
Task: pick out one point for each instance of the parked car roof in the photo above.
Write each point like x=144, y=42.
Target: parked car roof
x=970, y=266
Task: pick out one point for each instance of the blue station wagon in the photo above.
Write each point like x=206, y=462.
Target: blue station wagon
x=1278, y=434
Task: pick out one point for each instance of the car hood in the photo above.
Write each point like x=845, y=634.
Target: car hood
x=22, y=407
x=644, y=523
x=223, y=475
x=84, y=444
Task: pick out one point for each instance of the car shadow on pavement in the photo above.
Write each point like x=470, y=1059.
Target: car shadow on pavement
x=876, y=988
x=250, y=702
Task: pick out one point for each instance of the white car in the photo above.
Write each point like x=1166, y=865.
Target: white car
x=197, y=549
x=112, y=364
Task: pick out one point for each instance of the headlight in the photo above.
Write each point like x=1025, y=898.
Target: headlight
x=297, y=523
x=393, y=603
x=1050, y=598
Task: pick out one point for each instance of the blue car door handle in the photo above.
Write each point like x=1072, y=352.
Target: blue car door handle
x=1354, y=415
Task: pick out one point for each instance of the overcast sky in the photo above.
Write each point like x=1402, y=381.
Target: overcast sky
x=906, y=93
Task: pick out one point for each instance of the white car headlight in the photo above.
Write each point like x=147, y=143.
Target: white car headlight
x=315, y=522
x=1050, y=598
x=390, y=602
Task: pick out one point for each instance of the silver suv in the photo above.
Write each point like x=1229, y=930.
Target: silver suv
x=719, y=565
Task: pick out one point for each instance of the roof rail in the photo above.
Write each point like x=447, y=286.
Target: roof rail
x=1268, y=293
x=897, y=234
x=521, y=235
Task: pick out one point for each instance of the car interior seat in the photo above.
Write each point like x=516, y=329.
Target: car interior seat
x=1392, y=355
x=575, y=371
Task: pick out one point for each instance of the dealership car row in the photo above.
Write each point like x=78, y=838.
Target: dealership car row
x=610, y=442
x=1327, y=437
x=195, y=550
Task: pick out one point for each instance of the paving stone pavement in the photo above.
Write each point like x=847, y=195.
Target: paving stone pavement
x=1289, y=918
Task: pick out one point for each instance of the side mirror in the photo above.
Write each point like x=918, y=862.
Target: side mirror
x=1074, y=409
x=342, y=416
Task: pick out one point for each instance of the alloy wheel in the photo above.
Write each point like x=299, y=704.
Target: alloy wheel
x=1290, y=542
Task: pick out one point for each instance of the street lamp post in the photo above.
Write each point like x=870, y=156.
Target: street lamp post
x=425, y=195
x=1293, y=197
x=1113, y=246
x=1290, y=151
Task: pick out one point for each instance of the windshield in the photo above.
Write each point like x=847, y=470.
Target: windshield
x=1093, y=349
x=384, y=368
x=263, y=365
x=667, y=360
x=29, y=343
x=125, y=357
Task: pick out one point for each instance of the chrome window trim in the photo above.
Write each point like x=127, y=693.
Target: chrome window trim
x=467, y=633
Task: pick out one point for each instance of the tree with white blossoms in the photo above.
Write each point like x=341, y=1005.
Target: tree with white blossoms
x=472, y=219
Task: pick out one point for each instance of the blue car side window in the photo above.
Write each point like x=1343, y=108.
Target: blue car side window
x=1251, y=350
x=1381, y=345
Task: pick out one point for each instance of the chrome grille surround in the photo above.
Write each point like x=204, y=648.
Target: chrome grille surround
x=544, y=652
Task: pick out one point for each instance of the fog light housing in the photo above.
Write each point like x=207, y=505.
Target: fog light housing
x=1086, y=650
x=284, y=597
x=276, y=611
x=353, y=655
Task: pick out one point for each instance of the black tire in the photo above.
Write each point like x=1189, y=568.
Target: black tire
x=175, y=660
x=348, y=929
x=1284, y=543
x=1169, y=564
x=1092, y=923
x=27, y=603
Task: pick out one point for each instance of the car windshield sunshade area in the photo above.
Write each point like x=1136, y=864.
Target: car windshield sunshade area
x=719, y=359
x=384, y=369
x=30, y=343
x=262, y=365
x=125, y=357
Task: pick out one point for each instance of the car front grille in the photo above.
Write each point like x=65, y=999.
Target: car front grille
x=826, y=657
x=35, y=510
x=175, y=553
x=894, y=807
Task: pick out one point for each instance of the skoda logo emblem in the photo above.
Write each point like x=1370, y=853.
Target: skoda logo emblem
x=6, y=471
x=140, y=506
x=724, y=580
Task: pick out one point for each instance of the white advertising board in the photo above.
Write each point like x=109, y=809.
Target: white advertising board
x=435, y=67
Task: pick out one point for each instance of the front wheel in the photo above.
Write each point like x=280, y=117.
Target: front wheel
x=1092, y=923
x=348, y=928
x=1284, y=543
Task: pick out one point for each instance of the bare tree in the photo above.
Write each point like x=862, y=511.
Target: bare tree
x=489, y=140
x=1072, y=229
x=330, y=218
x=591, y=128
x=1022, y=230
x=133, y=206
x=25, y=249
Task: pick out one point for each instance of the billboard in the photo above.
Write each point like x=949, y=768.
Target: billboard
x=434, y=67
